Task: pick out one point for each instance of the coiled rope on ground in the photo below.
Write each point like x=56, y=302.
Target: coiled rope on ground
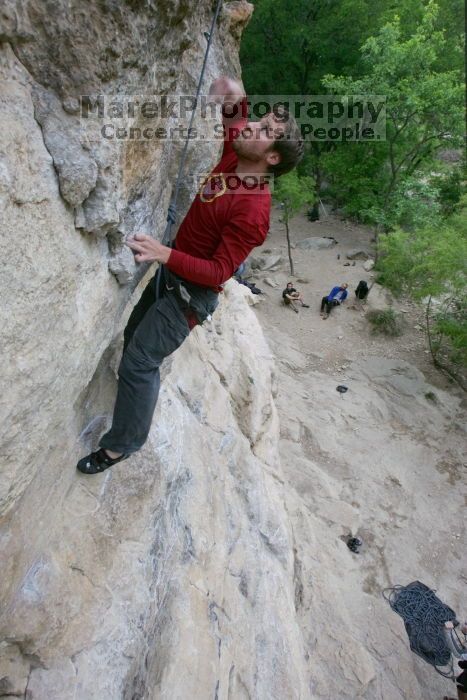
x=424, y=615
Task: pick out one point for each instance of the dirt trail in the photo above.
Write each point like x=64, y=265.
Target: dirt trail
x=384, y=462
x=346, y=334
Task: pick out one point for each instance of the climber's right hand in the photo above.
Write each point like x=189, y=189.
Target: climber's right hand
x=226, y=90
x=147, y=249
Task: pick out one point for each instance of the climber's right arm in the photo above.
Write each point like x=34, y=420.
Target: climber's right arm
x=227, y=91
x=231, y=95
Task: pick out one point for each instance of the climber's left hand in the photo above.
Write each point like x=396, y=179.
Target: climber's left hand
x=147, y=249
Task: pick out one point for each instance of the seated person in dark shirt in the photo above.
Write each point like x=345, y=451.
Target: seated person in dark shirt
x=290, y=296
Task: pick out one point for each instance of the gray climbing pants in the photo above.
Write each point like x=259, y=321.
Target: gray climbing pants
x=157, y=326
x=155, y=329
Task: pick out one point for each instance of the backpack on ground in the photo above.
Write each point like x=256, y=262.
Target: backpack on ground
x=362, y=290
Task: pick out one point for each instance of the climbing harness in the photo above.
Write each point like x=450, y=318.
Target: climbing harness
x=424, y=615
x=172, y=211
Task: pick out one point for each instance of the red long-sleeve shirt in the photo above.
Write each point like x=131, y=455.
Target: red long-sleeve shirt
x=217, y=235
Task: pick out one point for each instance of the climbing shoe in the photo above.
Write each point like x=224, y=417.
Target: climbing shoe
x=98, y=462
x=306, y=306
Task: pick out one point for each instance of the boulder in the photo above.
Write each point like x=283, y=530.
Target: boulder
x=369, y=264
x=318, y=243
x=357, y=254
x=266, y=262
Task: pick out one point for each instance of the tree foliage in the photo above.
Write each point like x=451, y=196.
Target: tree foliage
x=295, y=191
x=430, y=265
x=415, y=59
x=424, y=112
x=303, y=47
x=290, y=45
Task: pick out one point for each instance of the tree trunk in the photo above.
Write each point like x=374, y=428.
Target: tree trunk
x=428, y=331
x=436, y=361
x=289, y=249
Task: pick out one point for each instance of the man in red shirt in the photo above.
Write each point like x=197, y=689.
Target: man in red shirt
x=228, y=218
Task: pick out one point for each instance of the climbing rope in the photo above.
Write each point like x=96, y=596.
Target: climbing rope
x=172, y=212
x=424, y=615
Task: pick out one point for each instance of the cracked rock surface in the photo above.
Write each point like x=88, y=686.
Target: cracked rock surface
x=69, y=198
x=211, y=564
x=157, y=578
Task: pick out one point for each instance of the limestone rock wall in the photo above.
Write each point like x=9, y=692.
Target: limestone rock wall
x=200, y=568
x=171, y=576
x=114, y=587
x=69, y=197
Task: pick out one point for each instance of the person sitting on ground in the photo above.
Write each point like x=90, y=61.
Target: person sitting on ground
x=251, y=285
x=336, y=296
x=290, y=295
x=239, y=271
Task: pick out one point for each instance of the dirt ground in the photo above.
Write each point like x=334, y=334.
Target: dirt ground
x=330, y=344
x=385, y=462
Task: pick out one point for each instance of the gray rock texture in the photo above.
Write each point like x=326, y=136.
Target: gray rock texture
x=210, y=564
x=156, y=578
x=264, y=262
x=358, y=254
x=383, y=462
x=69, y=198
x=316, y=243
x=368, y=265
x=90, y=568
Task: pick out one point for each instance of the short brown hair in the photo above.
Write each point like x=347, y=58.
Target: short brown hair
x=289, y=145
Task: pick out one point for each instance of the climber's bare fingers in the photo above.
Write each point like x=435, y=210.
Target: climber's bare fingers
x=136, y=245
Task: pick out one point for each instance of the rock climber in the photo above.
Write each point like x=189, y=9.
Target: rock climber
x=336, y=296
x=227, y=219
x=291, y=296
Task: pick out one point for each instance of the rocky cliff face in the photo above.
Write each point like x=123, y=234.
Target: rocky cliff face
x=158, y=578
x=69, y=196
x=89, y=567
x=200, y=568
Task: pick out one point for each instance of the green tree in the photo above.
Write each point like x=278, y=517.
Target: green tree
x=424, y=112
x=293, y=193
x=430, y=265
x=290, y=45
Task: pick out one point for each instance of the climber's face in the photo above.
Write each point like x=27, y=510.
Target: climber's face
x=256, y=141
